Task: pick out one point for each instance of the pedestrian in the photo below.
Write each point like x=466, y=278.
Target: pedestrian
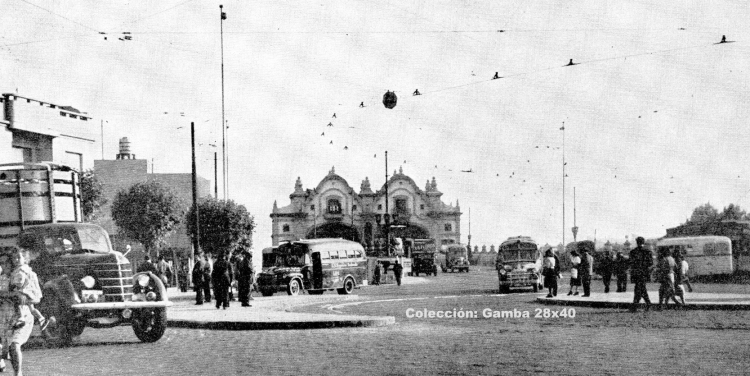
x=621, y=272
x=182, y=276
x=245, y=278
x=679, y=287
x=684, y=267
x=397, y=270
x=221, y=276
x=147, y=265
x=14, y=338
x=557, y=273
x=376, y=274
x=548, y=271
x=26, y=282
x=665, y=275
x=164, y=271
x=605, y=269
x=575, y=279
x=198, y=267
x=586, y=267
x=641, y=261
x=207, y=268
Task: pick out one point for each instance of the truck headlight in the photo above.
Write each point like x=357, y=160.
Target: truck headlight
x=143, y=280
x=503, y=271
x=88, y=281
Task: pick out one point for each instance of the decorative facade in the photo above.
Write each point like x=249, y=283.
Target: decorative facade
x=334, y=209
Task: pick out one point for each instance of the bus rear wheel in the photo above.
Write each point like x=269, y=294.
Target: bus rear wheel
x=348, y=287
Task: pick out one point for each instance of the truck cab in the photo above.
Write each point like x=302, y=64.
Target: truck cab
x=85, y=283
x=456, y=258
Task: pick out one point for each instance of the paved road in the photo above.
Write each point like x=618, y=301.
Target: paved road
x=592, y=342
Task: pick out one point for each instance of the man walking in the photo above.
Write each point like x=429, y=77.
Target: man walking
x=641, y=261
x=397, y=270
x=245, y=278
x=606, y=268
x=164, y=271
x=222, y=280
x=587, y=267
x=198, y=267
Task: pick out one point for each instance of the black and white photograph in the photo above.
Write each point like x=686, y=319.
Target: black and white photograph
x=228, y=187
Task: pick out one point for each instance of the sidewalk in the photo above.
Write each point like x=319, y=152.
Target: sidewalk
x=702, y=301
x=266, y=313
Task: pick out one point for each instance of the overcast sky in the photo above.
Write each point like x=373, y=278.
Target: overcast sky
x=655, y=112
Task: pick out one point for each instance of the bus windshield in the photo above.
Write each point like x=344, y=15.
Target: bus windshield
x=519, y=252
x=293, y=255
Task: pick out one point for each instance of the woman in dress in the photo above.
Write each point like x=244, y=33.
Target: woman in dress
x=12, y=340
x=575, y=280
x=548, y=270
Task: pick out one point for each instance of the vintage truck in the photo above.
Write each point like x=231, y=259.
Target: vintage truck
x=423, y=253
x=456, y=258
x=85, y=283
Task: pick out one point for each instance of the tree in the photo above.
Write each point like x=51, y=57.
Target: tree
x=91, y=195
x=224, y=225
x=733, y=212
x=148, y=213
x=703, y=213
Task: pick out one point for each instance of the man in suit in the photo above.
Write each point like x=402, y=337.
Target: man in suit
x=641, y=261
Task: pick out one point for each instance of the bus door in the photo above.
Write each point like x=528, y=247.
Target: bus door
x=317, y=271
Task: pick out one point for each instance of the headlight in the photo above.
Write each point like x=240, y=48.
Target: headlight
x=151, y=296
x=88, y=281
x=143, y=280
x=503, y=271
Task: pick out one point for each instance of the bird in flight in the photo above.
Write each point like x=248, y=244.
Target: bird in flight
x=469, y=170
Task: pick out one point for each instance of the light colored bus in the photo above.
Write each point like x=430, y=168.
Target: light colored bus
x=316, y=265
x=706, y=255
x=519, y=264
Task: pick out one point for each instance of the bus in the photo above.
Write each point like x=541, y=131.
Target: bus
x=269, y=257
x=316, y=266
x=706, y=255
x=519, y=264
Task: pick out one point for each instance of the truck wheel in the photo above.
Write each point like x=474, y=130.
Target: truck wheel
x=535, y=287
x=149, y=324
x=58, y=332
x=504, y=289
x=348, y=287
x=266, y=292
x=293, y=287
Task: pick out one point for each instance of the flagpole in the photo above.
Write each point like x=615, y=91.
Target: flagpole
x=223, y=122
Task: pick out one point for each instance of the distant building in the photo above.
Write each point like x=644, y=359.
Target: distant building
x=334, y=209
x=36, y=131
x=122, y=173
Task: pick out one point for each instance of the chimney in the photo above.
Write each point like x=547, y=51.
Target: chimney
x=125, y=149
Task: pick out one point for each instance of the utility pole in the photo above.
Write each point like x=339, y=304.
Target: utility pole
x=575, y=227
x=102, y=124
x=563, y=184
x=196, y=233
x=387, y=215
x=216, y=176
x=223, y=122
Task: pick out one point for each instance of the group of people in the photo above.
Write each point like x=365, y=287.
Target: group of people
x=381, y=269
x=220, y=275
x=671, y=273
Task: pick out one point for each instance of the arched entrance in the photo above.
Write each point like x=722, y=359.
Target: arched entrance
x=334, y=230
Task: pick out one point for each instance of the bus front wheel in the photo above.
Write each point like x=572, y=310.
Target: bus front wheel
x=293, y=288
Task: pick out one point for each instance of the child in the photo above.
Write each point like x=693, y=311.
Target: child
x=25, y=281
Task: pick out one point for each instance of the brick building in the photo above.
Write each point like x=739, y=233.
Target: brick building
x=35, y=131
x=124, y=171
x=334, y=209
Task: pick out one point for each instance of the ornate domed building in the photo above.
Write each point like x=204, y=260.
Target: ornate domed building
x=333, y=209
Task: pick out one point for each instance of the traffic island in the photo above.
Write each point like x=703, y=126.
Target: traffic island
x=624, y=300
x=266, y=313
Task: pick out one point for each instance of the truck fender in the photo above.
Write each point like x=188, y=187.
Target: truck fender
x=161, y=291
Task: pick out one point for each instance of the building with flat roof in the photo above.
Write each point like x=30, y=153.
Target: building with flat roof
x=36, y=131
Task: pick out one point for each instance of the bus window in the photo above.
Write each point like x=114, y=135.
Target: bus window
x=324, y=256
x=352, y=254
x=709, y=249
x=334, y=255
x=722, y=248
x=358, y=254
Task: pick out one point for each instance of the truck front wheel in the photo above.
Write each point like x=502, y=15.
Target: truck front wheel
x=149, y=324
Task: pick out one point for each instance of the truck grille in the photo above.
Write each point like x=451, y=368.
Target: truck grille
x=116, y=280
x=520, y=277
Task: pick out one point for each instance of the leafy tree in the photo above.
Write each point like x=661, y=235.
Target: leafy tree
x=91, y=195
x=733, y=212
x=703, y=213
x=147, y=212
x=225, y=226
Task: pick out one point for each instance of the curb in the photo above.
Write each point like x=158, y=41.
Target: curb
x=282, y=325
x=626, y=305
